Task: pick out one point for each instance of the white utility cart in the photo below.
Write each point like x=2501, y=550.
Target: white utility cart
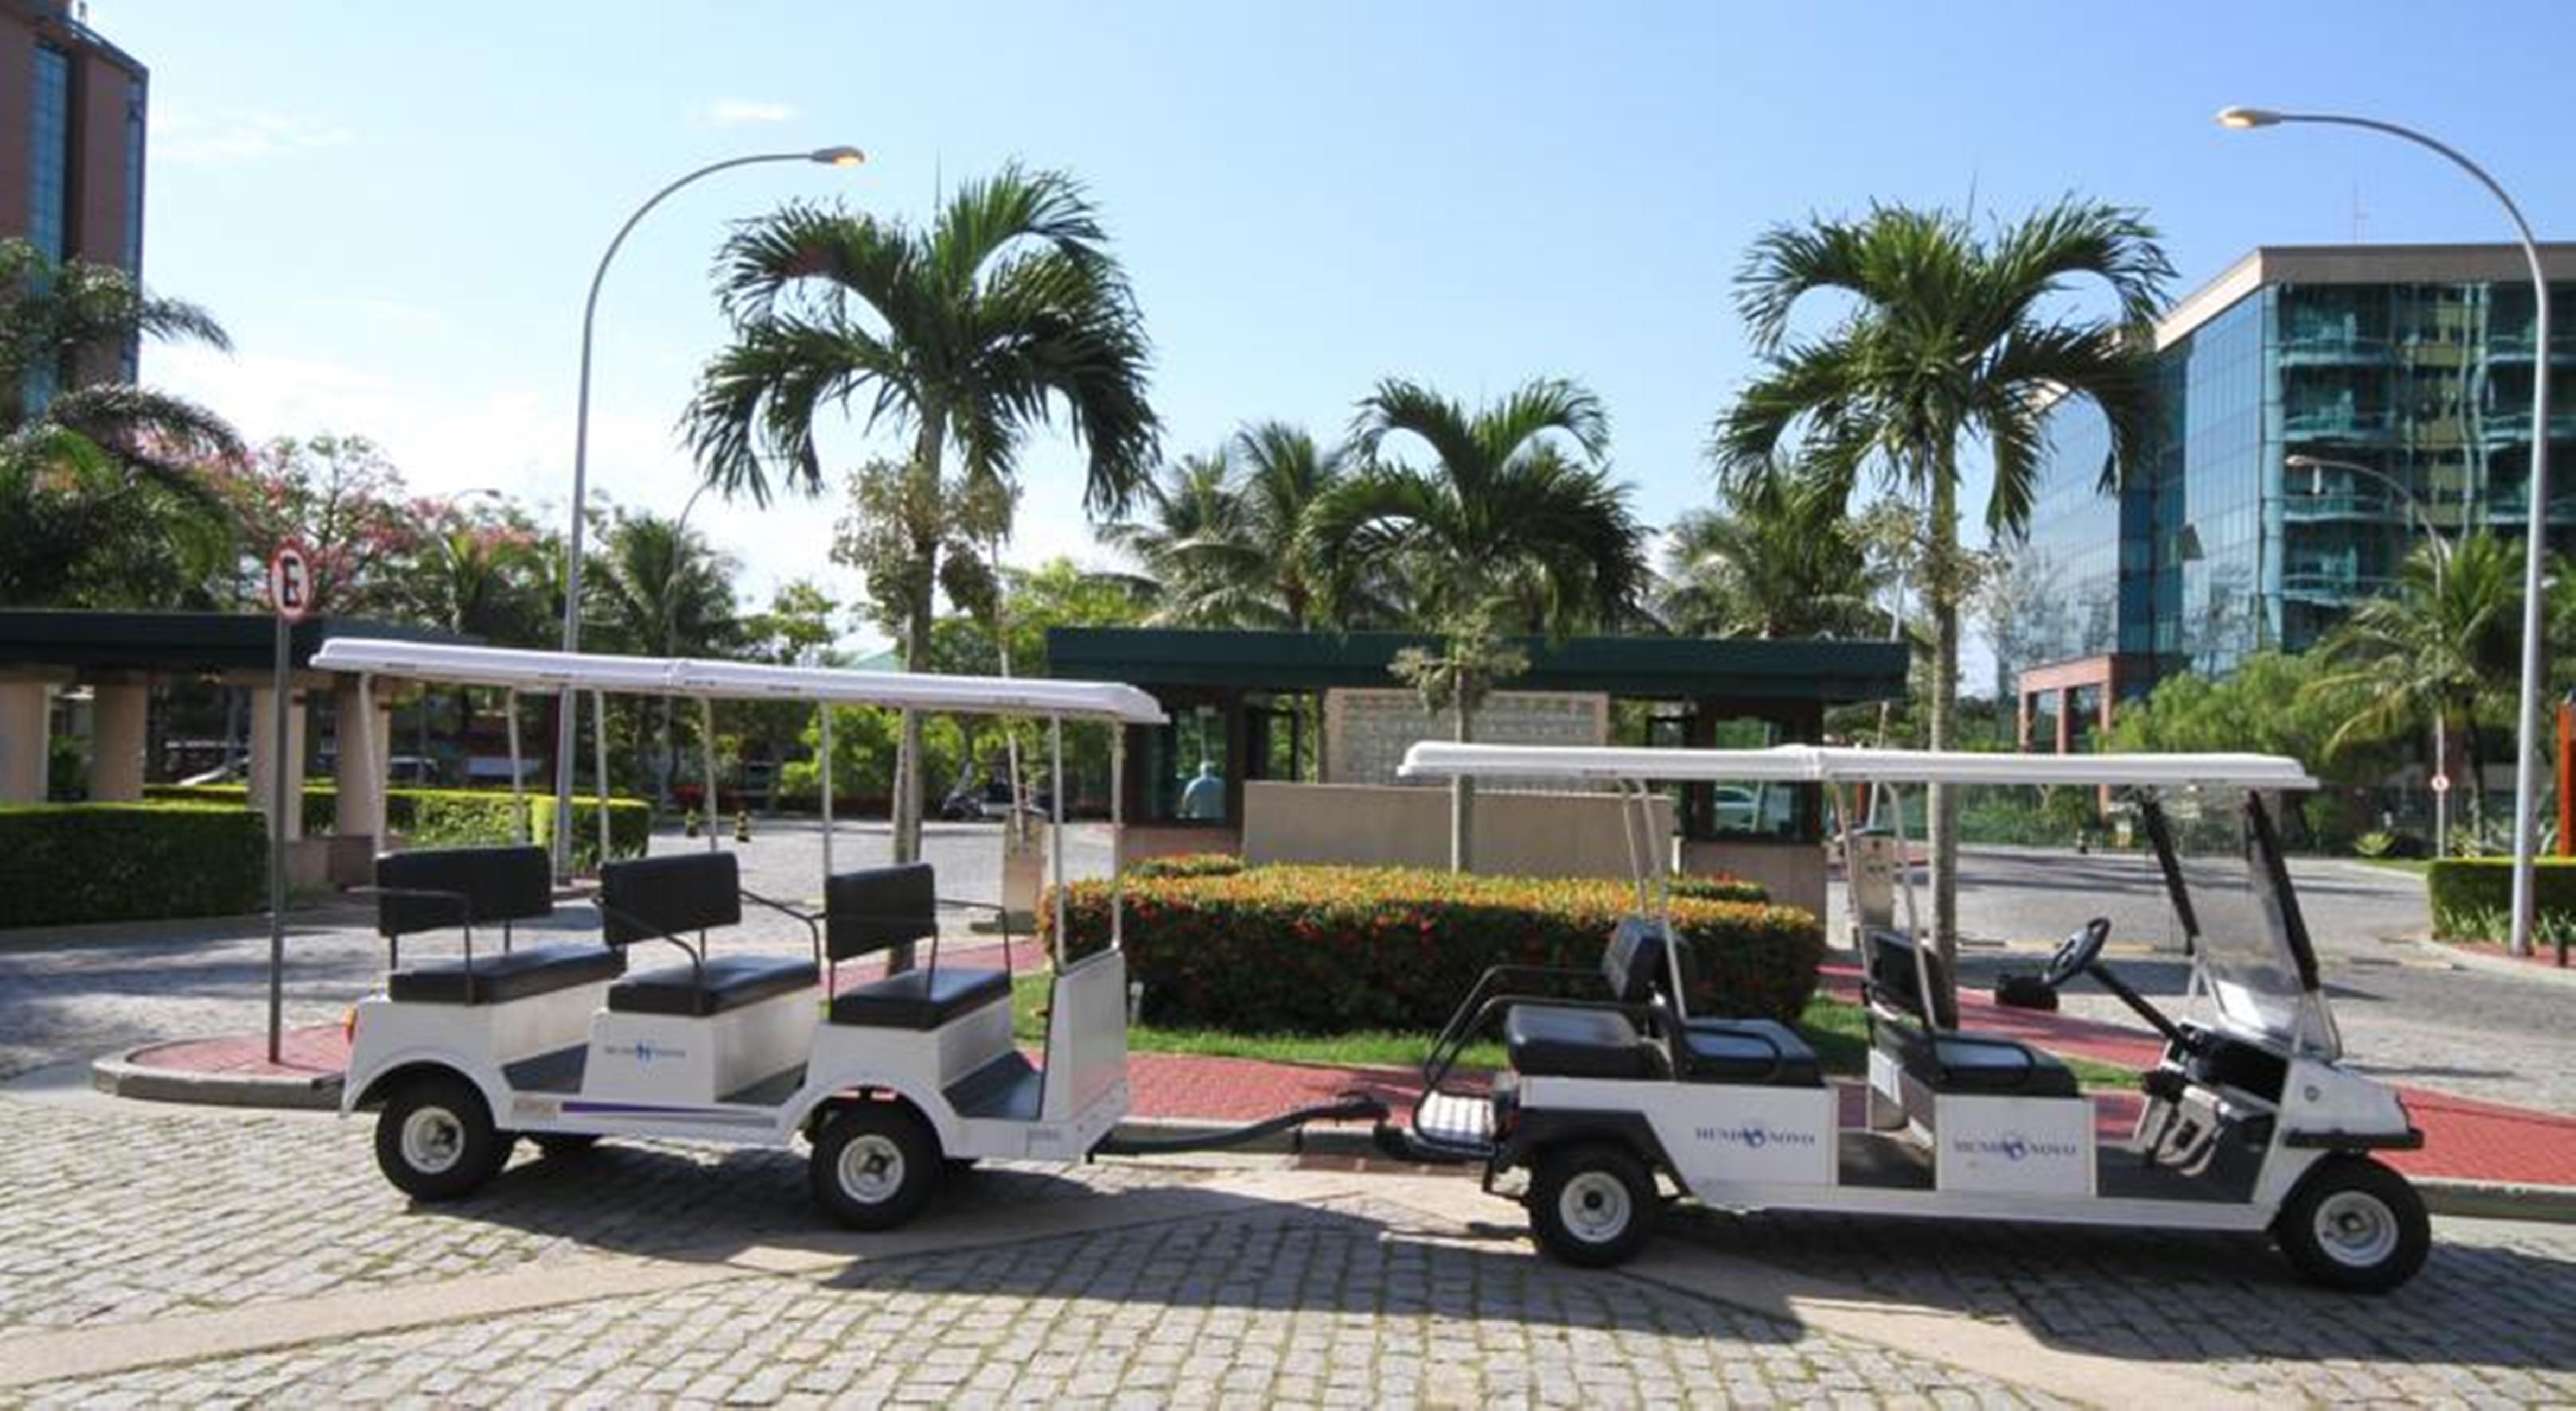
x=891, y=1080
x=2251, y=1121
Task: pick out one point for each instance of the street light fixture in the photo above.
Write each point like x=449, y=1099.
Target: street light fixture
x=2535, y=548
x=2316, y=467
x=567, y=706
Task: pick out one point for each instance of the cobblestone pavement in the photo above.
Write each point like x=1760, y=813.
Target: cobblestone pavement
x=83, y=997
x=117, y=1216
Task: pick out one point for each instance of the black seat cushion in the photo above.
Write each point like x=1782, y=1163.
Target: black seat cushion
x=499, y=978
x=920, y=999
x=644, y=898
x=878, y=908
x=429, y=889
x=1894, y=972
x=1983, y=1064
x=1561, y=1041
x=730, y=982
x=1747, y=1051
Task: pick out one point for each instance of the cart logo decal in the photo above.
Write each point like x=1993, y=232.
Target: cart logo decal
x=643, y=1051
x=1753, y=1138
x=2014, y=1147
x=543, y=1108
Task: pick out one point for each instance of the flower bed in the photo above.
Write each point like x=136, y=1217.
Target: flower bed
x=1336, y=949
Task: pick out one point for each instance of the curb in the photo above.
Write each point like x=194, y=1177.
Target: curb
x=2484, y=964
x=2497, y=1200
x=121, y=1075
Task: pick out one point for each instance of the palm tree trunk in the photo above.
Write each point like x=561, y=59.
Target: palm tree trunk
x=1942, y=579
x=1462, y=790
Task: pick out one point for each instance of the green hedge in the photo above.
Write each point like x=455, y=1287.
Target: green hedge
x=69, y=863
x=1187, y=864
x=437, y=818
x=1333, y=949
x=2472, y=897
x=1720, y=887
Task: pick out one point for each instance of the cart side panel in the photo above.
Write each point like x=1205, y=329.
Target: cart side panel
x=1086, y=1036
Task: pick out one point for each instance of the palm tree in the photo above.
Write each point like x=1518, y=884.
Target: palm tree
x=1514, y=527
x=99, y=489
x=1779, y=559
x=1006, y=308
x=2446, y=642
x=659, y=590
x=1200, y=562
x=1945, y=345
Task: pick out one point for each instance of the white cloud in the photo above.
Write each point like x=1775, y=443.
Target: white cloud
x=182, y=136
x=739, y=112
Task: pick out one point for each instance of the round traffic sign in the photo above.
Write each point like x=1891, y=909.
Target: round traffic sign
x=290, y=582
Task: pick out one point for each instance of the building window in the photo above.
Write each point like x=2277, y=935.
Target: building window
x=49, y=137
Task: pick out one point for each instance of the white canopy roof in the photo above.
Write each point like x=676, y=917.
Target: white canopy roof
x=1437, y=759
x=549, y=672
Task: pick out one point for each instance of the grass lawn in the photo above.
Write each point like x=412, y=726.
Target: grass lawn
x=2412, y=866
x=1839, y=1031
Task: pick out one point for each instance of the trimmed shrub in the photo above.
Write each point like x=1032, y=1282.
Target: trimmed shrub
x=2470, y=894
x=1187, y=864
x=70, y=863
x=1720, y=887
x=442, y=818
x=1332, y=949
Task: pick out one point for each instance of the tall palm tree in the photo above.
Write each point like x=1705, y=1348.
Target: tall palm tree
x=1945, y=347
x=659, y=590
x=967, y=333
x=99, y=490
x=1514, y=526
x=2446, y=642
x=1778, y=559
x=1193, y=543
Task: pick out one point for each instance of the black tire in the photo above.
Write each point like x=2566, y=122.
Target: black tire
x=2354, y=1225
x=1592, y=1204
x=875, y=1165
x=435, y=1139
x=564, y=1146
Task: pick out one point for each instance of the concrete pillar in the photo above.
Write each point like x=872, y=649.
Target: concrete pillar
x=26, y=724
x=361, y=768
x=117, y=714
x=2065, y=721
x=263, y=733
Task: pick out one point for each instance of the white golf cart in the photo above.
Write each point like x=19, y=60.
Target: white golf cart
x=890, y=1080
x=2250, y=1123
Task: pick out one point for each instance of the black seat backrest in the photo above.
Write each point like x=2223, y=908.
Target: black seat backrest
x=474, y=887
x=1633, y=964
x=877, y=908
x=1896, y=969
x=646, y=898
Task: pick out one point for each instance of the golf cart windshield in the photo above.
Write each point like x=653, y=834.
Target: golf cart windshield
x=2222, y=860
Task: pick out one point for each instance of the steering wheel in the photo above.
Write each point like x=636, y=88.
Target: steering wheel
x=2077, y=952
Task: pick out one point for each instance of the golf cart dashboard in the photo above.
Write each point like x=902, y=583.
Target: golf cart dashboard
x=2215, y=1058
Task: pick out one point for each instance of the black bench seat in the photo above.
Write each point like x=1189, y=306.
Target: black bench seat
x=1561, y=1041
x=920, y=999
x=1760, y=1051
x=500, y=978
x=1984, y=1065
x=729, y=982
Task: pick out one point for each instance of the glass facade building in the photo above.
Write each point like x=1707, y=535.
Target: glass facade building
x=2414, y=362
x=74, y=113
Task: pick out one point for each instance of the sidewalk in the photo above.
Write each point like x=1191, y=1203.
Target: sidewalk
x=2498, y=1148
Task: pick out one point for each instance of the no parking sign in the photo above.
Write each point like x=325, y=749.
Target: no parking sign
x=290, y=582
x=290, y=594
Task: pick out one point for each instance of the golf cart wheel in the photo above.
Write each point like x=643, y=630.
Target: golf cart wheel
x=435, y=1139
x=563, y=1146
x=2354, y=1225
x=1592, y=1205
x=874, y=1165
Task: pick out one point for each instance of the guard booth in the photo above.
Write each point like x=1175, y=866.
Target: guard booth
x=1283, y=746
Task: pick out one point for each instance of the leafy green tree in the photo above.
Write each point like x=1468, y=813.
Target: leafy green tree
x=1006, y=309
x=2446, y=641
x=101, y=499
x=1780, y=558
x=1513, y=527
x=1944, y=346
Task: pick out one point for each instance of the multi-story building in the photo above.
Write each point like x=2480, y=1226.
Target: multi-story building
x=72, y=112
x=2241, y=527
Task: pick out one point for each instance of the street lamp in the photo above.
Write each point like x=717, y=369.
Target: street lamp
x=2316, y=467
x=2535, y=548
x=567, y=705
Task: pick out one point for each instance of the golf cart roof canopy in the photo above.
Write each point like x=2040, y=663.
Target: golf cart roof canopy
x=549, y=672
x=1436, y=759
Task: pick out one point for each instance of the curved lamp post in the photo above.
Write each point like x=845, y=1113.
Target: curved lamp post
x=2316, y=467
x=566, y=705
x=2526, y=773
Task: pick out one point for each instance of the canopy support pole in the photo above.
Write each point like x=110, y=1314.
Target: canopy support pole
x=826, y=708
x=1117, y=835
x=368, y=761
x=518, y=790
x=707, y=744
x=599, y=762
x=1055, y=837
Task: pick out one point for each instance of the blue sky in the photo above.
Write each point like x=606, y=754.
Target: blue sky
x=396, y=209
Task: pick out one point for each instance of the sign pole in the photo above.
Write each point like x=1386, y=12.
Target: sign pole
x=278, y=688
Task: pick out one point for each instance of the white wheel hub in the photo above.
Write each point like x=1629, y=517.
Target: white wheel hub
x=433, y=1140
x=2356, y=1229
x=871, y=1168
x=1594, y=1207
